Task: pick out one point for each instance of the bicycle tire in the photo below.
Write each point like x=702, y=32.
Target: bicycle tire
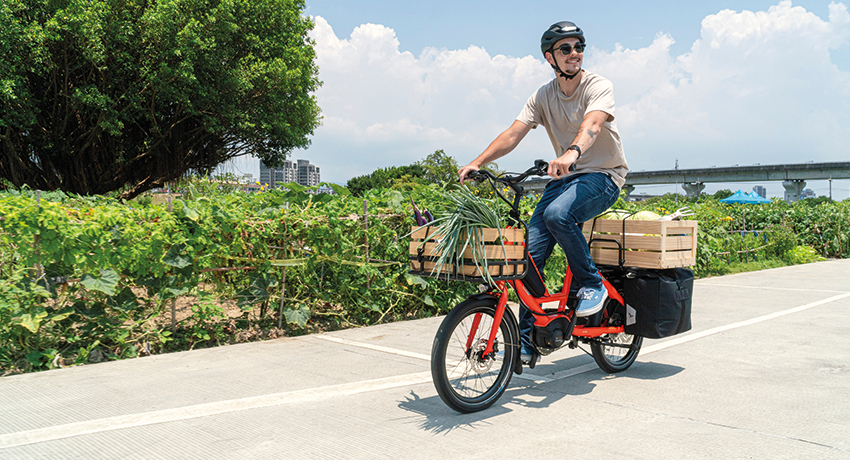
x=465, y=380
x=613, y=359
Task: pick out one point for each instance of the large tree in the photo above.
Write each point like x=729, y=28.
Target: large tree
x=96, y=95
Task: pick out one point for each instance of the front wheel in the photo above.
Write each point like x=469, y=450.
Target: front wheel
x=466, y=379
x=614, y=352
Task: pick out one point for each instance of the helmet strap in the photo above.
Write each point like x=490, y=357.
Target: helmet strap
x=564, y=74
x=557, y=68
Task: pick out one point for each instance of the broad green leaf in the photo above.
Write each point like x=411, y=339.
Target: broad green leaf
x=35, y=358
x=178, y=291
x=31, y=321
x=413, y=279
x=175, y=256
x=259, y=291
x=105, y=283
x=190, y=213
x=126, y=300
x=428, y=301
x=298, y=315
x=395, y=199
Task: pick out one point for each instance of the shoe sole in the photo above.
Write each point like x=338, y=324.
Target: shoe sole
x=586, y=313
x=595, y=310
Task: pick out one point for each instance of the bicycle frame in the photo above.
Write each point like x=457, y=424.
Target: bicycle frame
x=535, y=304
x=542, y=317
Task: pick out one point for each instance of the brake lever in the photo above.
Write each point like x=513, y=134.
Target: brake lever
x=540, y=168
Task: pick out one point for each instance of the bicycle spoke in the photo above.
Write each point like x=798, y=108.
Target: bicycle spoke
x=465, y=369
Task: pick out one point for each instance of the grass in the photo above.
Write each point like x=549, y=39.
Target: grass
x=721, y=268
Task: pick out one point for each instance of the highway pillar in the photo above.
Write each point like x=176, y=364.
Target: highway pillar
x=629, y=189
x=693, y=188
x=793, y=189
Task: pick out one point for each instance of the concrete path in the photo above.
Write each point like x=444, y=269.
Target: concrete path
x=765, y=373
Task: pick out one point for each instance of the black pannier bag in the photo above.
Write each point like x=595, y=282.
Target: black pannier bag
x=658, y=302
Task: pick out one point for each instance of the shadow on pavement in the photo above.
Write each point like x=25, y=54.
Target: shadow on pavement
x=431, y=414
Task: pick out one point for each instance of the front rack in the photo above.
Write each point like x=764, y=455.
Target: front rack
x=504, y=263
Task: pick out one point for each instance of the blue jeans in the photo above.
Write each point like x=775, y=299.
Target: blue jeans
x=565, y=205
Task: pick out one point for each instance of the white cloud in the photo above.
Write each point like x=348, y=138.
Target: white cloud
x=384, y=107
x=756, y=87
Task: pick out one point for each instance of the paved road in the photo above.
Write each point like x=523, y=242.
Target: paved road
x=765, y=373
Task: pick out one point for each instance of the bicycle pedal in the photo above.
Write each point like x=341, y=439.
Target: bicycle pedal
x=535, y=358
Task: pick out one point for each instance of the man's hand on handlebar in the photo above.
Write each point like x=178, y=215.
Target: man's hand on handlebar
x=464, y=172
x=563, y=165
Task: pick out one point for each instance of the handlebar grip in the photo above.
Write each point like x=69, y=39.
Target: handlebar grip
x=477, y=176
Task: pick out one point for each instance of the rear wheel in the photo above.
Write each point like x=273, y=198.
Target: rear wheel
x=614, y=352
x=466, y=379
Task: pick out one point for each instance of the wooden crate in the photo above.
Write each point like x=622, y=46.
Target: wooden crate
x=502, y=262
x=649, y=244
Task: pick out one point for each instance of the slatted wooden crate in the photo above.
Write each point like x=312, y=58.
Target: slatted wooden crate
x=649, y=244
x=503, y=262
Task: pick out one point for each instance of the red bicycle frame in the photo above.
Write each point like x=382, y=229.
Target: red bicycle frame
x=543, y=318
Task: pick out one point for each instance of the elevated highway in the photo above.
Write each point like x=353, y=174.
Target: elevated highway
x=792, y=176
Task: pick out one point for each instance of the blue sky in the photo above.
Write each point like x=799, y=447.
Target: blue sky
x=709, y=83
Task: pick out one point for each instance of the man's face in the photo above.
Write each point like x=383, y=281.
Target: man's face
x=570, y=63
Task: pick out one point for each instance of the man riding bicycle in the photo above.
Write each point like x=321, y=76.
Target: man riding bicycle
x=577, y=110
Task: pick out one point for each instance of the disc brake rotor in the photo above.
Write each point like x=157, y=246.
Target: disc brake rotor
x=482, y=364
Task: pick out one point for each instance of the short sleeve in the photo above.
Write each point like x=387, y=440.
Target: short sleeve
x=531, y=113
x=601, y=97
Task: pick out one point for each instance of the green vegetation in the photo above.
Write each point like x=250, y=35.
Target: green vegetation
x=393, y=177
x=79, y=274
x=84, y=279
x=99, y=95
x=437, y=168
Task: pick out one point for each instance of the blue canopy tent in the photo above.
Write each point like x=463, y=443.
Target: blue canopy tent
x=757, y=197
x=748, y=198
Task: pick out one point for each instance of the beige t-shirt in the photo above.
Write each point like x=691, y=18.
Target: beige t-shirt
x=562, y=117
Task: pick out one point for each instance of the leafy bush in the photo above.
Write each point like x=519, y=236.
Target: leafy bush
x=91, y=273
x=803, y=255
x=89, y=278
x=383, y=178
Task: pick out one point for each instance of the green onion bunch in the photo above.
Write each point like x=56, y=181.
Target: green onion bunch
x=461, y=228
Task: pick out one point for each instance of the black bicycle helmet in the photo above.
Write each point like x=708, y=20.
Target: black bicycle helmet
x=559, y=31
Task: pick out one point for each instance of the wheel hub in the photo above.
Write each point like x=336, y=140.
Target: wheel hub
x=480, y=363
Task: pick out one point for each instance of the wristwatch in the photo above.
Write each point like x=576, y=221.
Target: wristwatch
x=576, y=148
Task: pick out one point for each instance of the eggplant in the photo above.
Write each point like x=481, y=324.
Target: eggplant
x=417, y=216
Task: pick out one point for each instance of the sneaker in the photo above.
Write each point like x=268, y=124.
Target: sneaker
x=590, y=301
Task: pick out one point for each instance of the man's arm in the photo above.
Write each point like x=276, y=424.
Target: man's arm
x=501, y=146
x=587, y=132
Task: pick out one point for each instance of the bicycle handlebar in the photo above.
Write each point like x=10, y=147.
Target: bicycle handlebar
x=539, y=169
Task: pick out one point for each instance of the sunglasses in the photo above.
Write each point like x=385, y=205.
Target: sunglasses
x=566, y=50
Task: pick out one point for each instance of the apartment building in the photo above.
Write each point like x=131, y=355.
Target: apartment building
x=300, y=172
